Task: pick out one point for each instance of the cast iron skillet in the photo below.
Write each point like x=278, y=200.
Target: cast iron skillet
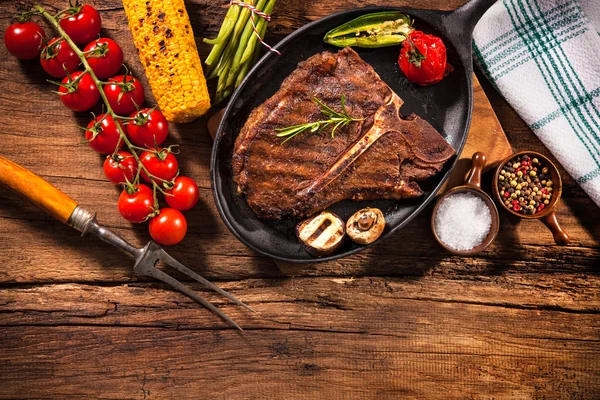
x=447, y=106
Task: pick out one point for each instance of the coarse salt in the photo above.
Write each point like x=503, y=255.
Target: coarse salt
x=462, y=221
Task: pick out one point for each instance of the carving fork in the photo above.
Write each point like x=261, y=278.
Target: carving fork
x=66, y=210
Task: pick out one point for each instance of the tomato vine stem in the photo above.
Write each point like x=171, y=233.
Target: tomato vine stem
x=99, y=84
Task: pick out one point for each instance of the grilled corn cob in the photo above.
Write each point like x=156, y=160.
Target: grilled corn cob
x=163, y=36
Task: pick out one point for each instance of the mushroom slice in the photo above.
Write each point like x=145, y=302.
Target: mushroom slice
x=322, y=234
x=366, y=225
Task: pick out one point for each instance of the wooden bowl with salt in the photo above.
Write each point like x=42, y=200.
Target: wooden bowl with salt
x=472, y=195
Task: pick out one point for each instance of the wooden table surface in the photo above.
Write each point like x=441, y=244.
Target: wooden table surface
x=404, y=320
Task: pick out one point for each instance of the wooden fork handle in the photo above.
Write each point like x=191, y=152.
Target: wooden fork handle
x=36, y=190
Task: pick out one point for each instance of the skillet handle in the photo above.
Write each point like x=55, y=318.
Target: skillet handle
x=462, y=21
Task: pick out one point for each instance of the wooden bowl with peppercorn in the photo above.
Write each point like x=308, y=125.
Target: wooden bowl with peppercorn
x=527, y=184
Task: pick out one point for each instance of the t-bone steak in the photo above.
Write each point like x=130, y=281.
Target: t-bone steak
x=381, y=157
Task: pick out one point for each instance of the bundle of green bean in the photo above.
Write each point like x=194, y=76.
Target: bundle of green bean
x=237, y=47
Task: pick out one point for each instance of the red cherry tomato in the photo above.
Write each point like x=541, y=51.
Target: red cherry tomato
x=102, y=134
x=184, y=194
x=148, y=128
x=58, y=56
x=81, y=93
x=136, y=203
x=105, y=57
x=81, y=23
x=423, y=58
x=124, y=94
x=120, y=167
x=169, y=227
x=24, y=40
x=161, y=163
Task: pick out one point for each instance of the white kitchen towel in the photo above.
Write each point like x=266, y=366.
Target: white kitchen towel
x=543, y=56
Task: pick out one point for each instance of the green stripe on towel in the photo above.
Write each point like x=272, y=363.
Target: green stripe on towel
x=513, y=34
x=553, y=87
x=578, y=87
x=589, y=176
x=562, y=81
x=557, y=113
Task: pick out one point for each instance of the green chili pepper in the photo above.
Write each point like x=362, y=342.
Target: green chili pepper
x=380, y=29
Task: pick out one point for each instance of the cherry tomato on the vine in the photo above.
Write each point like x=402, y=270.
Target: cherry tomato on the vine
x=184, y=194
x=136, y=203
x=169, y=227
x=160, y=163
x=104, y=56
x=148, y=128
x=57, y=57
x=120, y=167
x=124, y=93
x=78, y=91
x=423, y=58
x=24, y=40
x=81, y=23
x=103, y=135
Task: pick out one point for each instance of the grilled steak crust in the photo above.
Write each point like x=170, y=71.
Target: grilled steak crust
x=381, y=156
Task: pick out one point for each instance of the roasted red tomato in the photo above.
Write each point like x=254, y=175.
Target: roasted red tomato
x=423, y=58
x=102, y=134
x=149, y=128
x=120, y=167
x=105, y=57
x=184, y=194
x=124, y=94
x=24, y=40
x=169, y=227
x=81, y=23
x=136, y=203
x=79, y=92
x=161, y=163
x=57, y=57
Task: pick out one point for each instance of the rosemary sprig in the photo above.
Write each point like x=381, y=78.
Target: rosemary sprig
x=337, y=119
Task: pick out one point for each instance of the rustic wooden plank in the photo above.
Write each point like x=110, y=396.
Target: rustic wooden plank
x=124, y=363
x=361, y=304
x=60, y=255
x=321, y=335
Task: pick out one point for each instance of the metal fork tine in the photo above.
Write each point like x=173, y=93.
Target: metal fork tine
x=146, y=257
x=185, y=270
x=169, y=280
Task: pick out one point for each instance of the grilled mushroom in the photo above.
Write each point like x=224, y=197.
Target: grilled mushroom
x=366, y=225
x=322, y=234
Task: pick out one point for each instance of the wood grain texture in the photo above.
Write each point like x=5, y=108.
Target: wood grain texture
x=132, y=338
x=402, y=320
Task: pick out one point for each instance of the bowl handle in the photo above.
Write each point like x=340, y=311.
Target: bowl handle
x=560, y=236
x=473, y=177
